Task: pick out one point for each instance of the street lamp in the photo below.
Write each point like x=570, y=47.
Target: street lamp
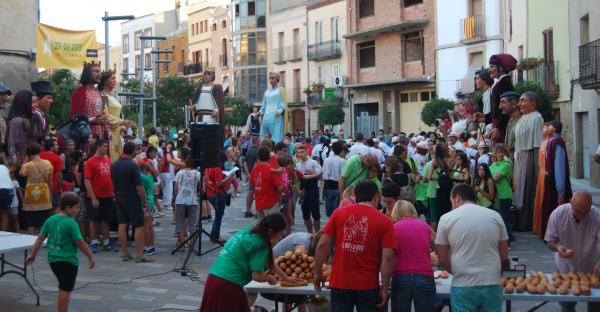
x=155, y=78
x=107, y=19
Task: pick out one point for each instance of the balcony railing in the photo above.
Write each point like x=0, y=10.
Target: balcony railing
x=278, y=56
x=324, y=50
x=192, y=69
x=294, y=52
x=589, y=65
x=472, y=28
x=547, y=76
x=317, y=99
x=223, y=60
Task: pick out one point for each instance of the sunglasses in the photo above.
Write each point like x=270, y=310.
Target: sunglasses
x=272, y=77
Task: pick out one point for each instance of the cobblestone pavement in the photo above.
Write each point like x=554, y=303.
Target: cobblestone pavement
x=114, y=285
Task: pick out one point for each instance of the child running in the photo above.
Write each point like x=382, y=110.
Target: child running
x=64, y=238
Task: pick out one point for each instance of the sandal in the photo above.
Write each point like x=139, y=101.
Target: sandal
x=142, y=259
x=126, y=258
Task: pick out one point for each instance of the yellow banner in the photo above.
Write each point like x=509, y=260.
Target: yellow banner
x=63, y=48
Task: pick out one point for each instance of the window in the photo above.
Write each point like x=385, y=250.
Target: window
x=223, y=24
x=214, y=27
x=335, y=72
x=318, y=32
x=412, y=2
x=413, y=96
x=136, y=36
x=282, y=78
x=584, y=29
x=137, y=63
x=125, y=65
x=166, y=67
x=335, y=28
x=148, y=43
x=413, y=47
x=424, y=96
x=125, y=43
x=366, y=8
x=251, y=9
x=548, y=45
x=237, y=10
x=366, y=52
x=404, y=97
x=319, y=74
x=433, y=95
x=205, y=25
x=147, y=61
x=192, y=30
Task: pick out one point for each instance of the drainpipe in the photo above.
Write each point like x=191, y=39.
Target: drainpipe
x=307, y=69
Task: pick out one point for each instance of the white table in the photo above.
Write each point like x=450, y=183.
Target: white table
x=16, y=242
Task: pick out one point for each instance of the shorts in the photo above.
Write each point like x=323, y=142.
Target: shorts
x=482, y=298
x=6, y=197
x=311, y=204
x=34, y=218
x=104, y=212
x=191, y=211
x=66, y=274
x=265, y=212
x=130, y=210
x=250, y=188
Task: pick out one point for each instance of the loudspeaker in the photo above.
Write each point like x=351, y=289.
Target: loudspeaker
x=206, y=143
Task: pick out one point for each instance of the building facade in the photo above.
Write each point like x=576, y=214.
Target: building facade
x=514, y=15
x=178, y=43
x=584, y=39
x=468, y=33
x=18, y=43
x=327, y=62
x=156, y=24
x=547, y=38
x=222, y=51
x=249, y=48
x=115, y=55
x=200, y=21
x=287, y=35
x=391, y=63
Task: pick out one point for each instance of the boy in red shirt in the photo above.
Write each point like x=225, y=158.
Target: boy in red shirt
x=216, y=186
x=365, y=242
x=99, y=188
x=266, y=184
x=49, y=154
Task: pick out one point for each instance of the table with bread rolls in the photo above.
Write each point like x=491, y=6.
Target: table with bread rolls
x=537, y=287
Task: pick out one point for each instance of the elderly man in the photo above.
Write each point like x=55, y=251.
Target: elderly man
x=573, y=234
x=509, y=104
x=454, y=142
x=500, y=67
x=357, y=168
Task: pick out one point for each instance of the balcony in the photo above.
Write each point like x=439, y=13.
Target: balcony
x=192, y=69
x=278, y=56
x=223, y=60
x=317, y=99
x=324, y=50
x=466, y=85
x=547, y=76
x=589, y=65
x=472, y=29
x=294, y=53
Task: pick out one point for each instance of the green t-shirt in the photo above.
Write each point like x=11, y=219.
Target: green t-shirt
x=423, y=187
x=354, y=170
x=433, y=184
x=243, y=254
x=481, y=199
x=503, y=186
x=62, y=232
x=148, y=183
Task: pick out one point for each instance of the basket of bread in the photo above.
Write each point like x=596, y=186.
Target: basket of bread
x=538, y=283
x=298, y=265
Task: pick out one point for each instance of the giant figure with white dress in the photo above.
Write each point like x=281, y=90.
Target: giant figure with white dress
x=272, y=111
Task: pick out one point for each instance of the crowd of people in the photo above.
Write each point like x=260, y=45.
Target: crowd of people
x=396, y=203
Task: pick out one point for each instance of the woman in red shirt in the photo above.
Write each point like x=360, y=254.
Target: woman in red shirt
x=413, y=280
x=216, y=186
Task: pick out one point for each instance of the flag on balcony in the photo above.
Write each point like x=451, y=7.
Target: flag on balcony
x=470, y=25
x=63, y=48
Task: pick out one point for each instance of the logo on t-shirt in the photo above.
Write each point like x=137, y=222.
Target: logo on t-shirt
x=355, y=234
x=258, y=182
x=104, y=169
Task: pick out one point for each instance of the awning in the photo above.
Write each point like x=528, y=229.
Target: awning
x=402, y=26
x=416, y=81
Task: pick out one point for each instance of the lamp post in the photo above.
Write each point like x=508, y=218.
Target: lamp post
x=107, y=19
x=154, y=79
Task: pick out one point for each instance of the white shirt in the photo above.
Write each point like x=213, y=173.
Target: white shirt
x=387, y=151
x=421, y=160
x=411, y=150
x=379, y=153
x=5, y=180
x=332, y=167
x=310, y=165
x=473, y=233
x=316, y=150
x=358, y=148
x=458, y=146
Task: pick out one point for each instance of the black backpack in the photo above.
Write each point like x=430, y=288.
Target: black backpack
x=444, y=181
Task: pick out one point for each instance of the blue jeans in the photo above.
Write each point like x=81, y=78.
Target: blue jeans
x=218, y=202
x=332, y=200
x=343, y=300
x=476, y=299
x=409, y=288
x=505, y=213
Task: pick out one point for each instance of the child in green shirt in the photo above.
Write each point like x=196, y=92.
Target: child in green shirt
x=64, y=238
x=148, y=183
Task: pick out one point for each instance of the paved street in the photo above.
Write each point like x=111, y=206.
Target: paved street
x=114, y=285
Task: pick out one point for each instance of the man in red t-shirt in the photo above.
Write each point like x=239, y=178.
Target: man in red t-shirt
x=100, y=193
x=49, y=154
x=266, y=184
x=365, y=242
x=216, y=186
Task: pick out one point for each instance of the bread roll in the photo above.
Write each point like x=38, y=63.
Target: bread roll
x=595, y=281
x=509, y=288
x=532, y=289
x=298, y=270
x=564, y=290
x=576, y=290
x=541, y=288
x=504, y=281
x=521, y=287
x=291, y=284
x=551, y=289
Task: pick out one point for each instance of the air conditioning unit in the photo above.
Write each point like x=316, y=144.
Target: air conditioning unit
x=338, y=81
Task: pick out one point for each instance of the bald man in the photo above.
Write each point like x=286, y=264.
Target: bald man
x=573, y=234
x=357, y=168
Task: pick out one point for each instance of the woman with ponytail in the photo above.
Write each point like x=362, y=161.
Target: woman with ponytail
x=245, y=257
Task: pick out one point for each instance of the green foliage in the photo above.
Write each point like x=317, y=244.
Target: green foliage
x=238, y=114
x=331, y=114
x=545, y=107
x=436, y=109
x=63, y=83
x=530, y=63
x=172, y=93
x=476, y=97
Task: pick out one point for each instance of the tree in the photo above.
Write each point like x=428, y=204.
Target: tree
x=131, y=104
x=238, y=114
x=63, y=83
x=331, y=114
x=545, y=107
x=436, y=109
x=172, y=93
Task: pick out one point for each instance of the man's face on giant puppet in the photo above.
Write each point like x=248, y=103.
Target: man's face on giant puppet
x=96, y=74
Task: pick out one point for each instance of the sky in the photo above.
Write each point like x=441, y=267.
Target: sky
x=87, y=14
